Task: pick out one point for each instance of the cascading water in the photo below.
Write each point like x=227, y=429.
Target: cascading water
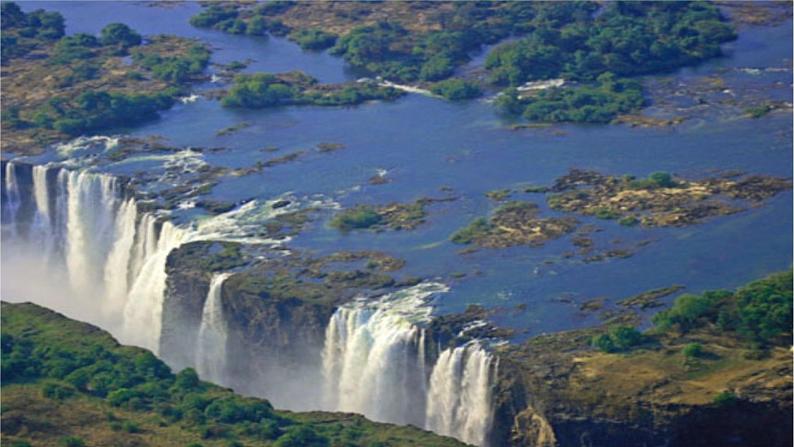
x=82, y=223
x=459, y=398
x=211, y=347
x=374, y=363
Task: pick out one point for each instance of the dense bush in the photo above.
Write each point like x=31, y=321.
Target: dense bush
x=175, y=69
x=22, y=32
x=75, y=47
x=625, y=38
x=93, y=110
x=260, y=90
x=213, y=15
x=301, y=436
x=760, y=312
x=313, y=39
x=655, y=180
x=119, y=34
x=256, y=91
x=618, y=339
x=456, y=89
x=359, y=217
x=467, y=234
x=600, y=102
x=692, y=350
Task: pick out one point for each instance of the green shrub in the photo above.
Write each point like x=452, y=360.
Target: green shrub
x=301, y=436
x=692, y=350
x=456, y=89
x=618, y=339
x=57, y=391
x=130, y=427
x=688, y=309
x=724, y=399
x=360, y=217
x=599, y=102
x=313, y=39
x=629, y=221
x=119, y=34
x=71, y=441
x=606, y=213
x=764, y=308
x=469, y=233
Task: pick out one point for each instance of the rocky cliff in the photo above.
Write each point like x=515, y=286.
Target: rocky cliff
x=556, y=390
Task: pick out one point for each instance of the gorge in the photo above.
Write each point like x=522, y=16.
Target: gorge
x=377, y=357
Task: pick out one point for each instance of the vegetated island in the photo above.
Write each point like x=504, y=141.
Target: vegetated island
x=660, y=200
x=69, y=383
x=586, y=49
x=86, y=83
x=393, y=216
x=261, y=90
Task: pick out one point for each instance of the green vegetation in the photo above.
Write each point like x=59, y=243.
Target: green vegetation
x=88, y=86
x=469, y=233
x=393, y=216
x=261, y=90
x=514, y=223
x=618, y=339
x=119, y=34
x=760, y=312
x=692, y=350
x=114, y=388
x=724, y=399
x=360, y=217
x=623, y=39
x=759, y=111
x=456, y=89
x=568, y=40
x=599, y=102
x=22, y=33
x=595, y=45
x=655, y=180
x=175, y=69
x=100, y=110
x=313, y=39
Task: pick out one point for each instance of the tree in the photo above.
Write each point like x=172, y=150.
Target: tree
x=119, y=34
x=301, y=436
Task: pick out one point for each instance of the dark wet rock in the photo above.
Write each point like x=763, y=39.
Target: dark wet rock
x=280, y=204
x=592, y=305
x=329, y=147
x=651, y=298
x=215, y=206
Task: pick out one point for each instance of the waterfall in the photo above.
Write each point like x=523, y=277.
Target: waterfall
x=83, y=224
x=459, y=398
x=12, y=196
x=211, y=347
x=377, y=359
x=374, y=363
x=144, y=305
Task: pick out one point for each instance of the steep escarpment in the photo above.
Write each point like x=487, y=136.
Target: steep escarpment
x=708, y=374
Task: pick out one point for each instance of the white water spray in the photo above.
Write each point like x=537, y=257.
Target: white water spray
x=459, y=398
x=374, y=363
x=211, y=348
